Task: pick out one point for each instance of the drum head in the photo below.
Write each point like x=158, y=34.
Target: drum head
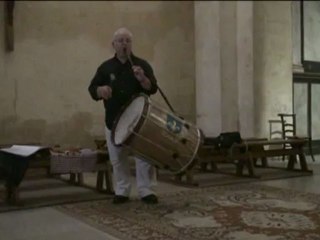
x=128, y=120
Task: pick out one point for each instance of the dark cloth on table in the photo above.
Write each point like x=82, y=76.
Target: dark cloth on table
x=13, y=168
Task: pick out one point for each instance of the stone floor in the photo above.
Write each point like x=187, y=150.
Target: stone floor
x=49, y=224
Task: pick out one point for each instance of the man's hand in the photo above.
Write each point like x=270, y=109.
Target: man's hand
x=104, y=92
x=143, y=80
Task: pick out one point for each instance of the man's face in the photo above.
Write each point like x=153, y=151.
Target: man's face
x=122, y=44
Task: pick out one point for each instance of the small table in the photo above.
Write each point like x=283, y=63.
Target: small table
x=79, y=161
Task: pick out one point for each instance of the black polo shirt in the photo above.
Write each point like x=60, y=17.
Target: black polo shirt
x=119, y=76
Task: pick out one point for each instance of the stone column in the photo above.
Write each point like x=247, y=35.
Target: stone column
x=224, y=67
x=229, y=62
x=244, y=43
x=207, y=67
x=272, y=62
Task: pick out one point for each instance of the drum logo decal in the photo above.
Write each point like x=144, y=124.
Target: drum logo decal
x=173, y=124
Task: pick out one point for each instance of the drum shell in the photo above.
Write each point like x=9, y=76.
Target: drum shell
x=164, y=146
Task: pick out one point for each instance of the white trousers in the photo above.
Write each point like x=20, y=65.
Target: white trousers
x=119, y=158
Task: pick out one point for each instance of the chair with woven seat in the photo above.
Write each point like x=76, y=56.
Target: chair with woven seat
x=275, y=132
x=275, y=129
x=289, y=130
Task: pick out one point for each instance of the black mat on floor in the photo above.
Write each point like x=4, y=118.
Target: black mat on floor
x=41, y=191
x=226, y=175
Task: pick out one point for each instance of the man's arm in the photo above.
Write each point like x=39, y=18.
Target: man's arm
x=98, y=87
x=148, y=72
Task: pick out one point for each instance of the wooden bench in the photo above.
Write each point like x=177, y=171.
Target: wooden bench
x=99, y=164
x=42, y=159
x=257, y=150
x=102, y=168
x=210, y=155
x=247, y=154
x=104, y=172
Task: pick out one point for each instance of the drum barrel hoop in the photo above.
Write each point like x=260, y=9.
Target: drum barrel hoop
x=139, y=124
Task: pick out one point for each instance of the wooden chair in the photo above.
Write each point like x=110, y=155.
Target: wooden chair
x=289, y=129
x=275, y=129
x=276, y=132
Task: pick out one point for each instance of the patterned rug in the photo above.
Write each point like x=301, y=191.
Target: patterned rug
x=231, y=212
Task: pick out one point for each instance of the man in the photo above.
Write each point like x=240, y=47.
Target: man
x=115, y=82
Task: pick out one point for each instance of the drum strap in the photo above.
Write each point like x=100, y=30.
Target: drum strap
x=166, y=99
x=161, y=92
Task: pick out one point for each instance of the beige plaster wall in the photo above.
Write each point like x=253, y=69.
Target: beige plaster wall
x=7, y=85
x=2, y=46
x=272, y=62
x=59, y=45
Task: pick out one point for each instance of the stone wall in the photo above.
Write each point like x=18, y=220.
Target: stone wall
x=59, y=45
x=225, y=66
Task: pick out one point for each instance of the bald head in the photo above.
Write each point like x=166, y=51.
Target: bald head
x=121, y=32
x=121, y=42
